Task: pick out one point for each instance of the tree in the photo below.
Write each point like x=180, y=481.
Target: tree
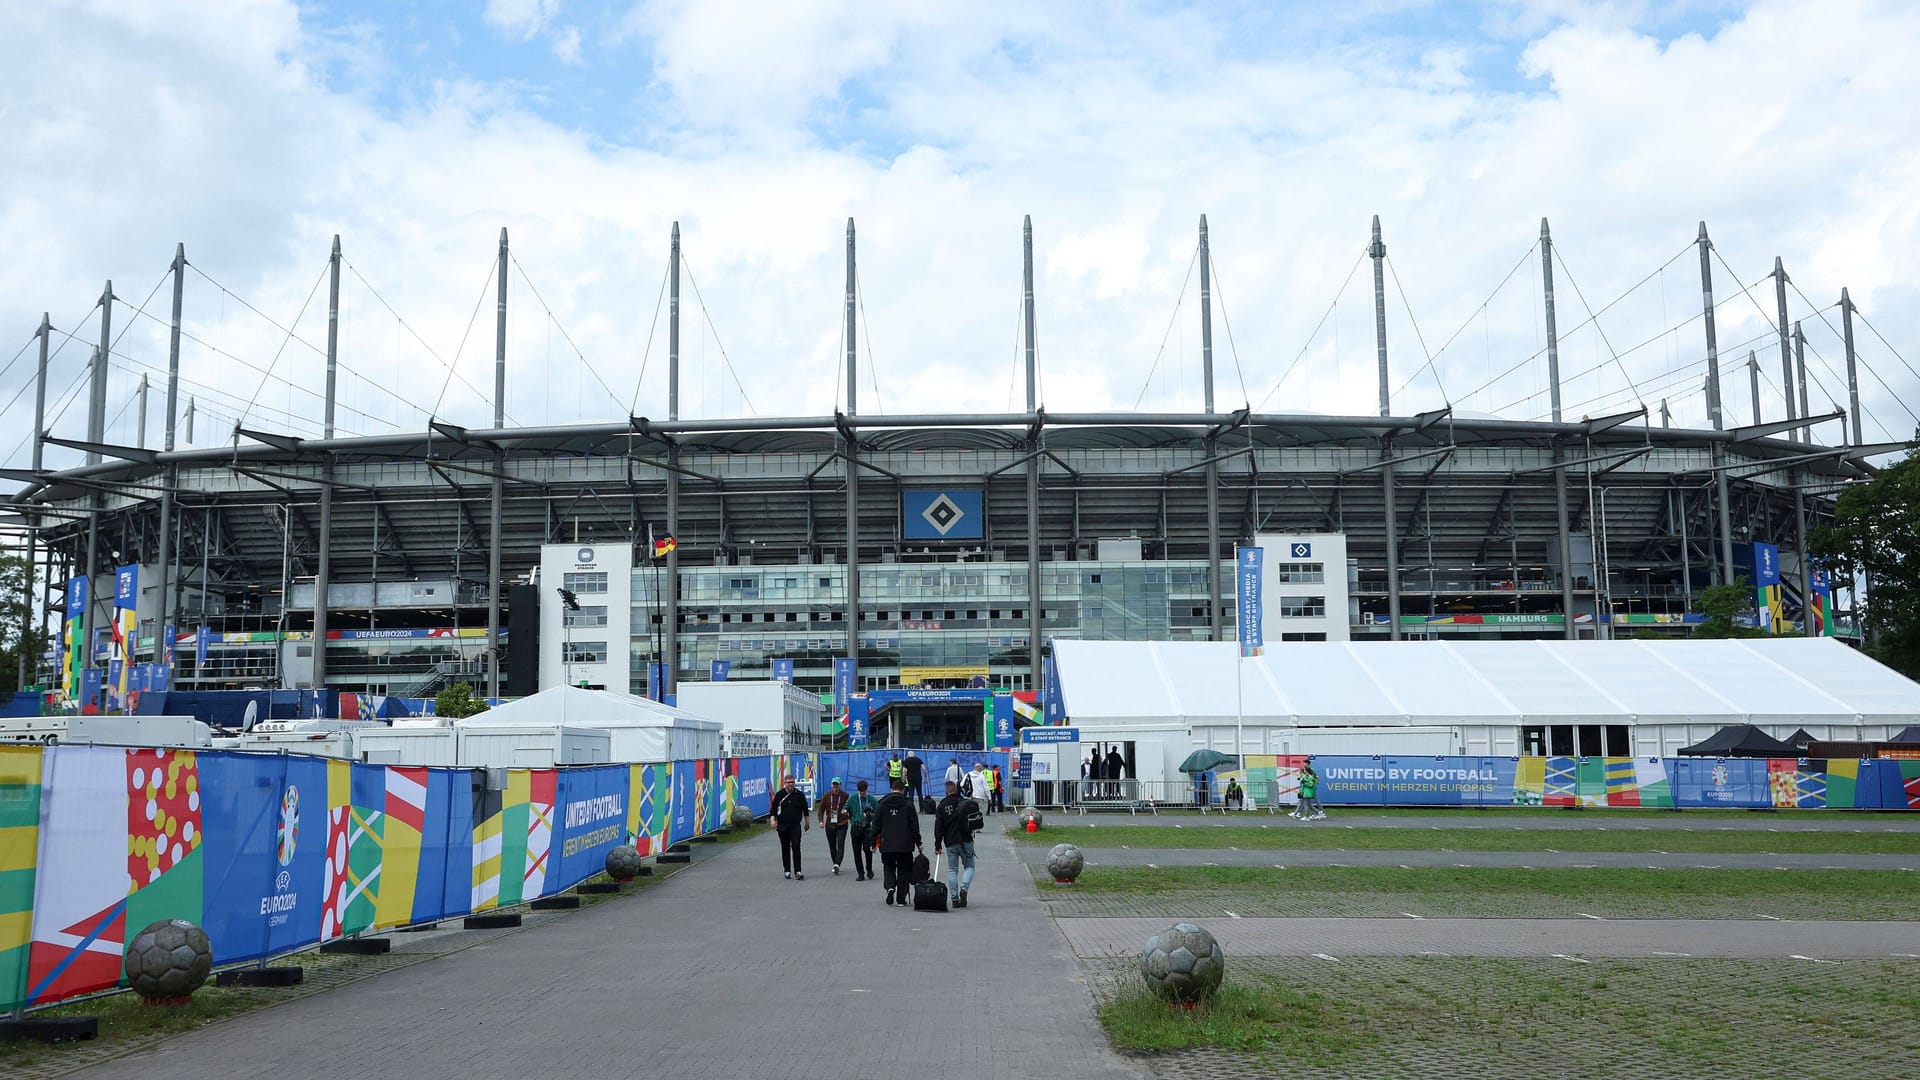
x=1724, y=606
x=1875, y=534
x=456, y=701
x=20, y=631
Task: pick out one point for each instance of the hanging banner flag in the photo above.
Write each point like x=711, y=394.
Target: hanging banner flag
x=76, y=632
x=90, y=691
x=200, y=639
x=783, y=671
x=1822, y=606
x=167, y=640
x=1003, y=720
x=656, y=681
x=858, y=714
x=843, y=671
x=720, y=669
x=1055, y=705
x=1247, y=613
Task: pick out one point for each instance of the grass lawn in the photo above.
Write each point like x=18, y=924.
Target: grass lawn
x=1326, y=836
x=1526, y=1018
x=1489, y=892
x=1550, y=813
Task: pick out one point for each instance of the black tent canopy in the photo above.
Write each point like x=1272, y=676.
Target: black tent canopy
x=1741, y=740
x=1800, y=738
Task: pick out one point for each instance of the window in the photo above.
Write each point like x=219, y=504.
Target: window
x=1316, y=636
x=586, y=652
x=587, y=616
x=1303, y=607
x=585, y=583
x=1300, y=573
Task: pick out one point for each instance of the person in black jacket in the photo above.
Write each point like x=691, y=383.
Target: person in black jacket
x=896, y=833
x=789, y=820
x=953, y=833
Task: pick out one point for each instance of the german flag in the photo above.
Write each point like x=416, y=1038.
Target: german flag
x=664, y=546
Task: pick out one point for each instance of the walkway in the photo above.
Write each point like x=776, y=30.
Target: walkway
x=1467, y=818
x=1279, y=855
x=726, y=970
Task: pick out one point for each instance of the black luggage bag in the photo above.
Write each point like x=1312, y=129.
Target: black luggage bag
x=930, y=896
x=927, y=805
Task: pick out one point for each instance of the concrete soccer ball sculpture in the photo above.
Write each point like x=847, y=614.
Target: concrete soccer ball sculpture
x=168, y=961
x=1183, y=963
x=742, y=817
x=623, y=863
x=1065, y=862
x=1031, y=820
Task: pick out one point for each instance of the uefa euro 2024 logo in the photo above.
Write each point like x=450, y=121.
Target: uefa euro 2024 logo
x=286, y=834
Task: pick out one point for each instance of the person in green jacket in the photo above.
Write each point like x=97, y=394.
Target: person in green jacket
x=1309, y=808
x=860, y=815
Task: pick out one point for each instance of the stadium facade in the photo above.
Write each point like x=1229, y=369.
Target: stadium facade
x=935, y=550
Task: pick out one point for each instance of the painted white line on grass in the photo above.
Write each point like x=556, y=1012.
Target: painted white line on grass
x=856, y=990
x=1904, y=955
x=1662, y=952
x=1769, y=918
x=1433, y=952
x=1324, y=956
x=1410, y=915
x=1553, y=850
x=1810, y=959
x=1584, y=915
x=1573, y=959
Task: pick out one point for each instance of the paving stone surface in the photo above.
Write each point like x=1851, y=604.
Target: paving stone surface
x=726, y=970
x=1280, y=854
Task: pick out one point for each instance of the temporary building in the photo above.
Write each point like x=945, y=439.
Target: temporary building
x=1741, y=740
x=1636, y=697
x=637, y=728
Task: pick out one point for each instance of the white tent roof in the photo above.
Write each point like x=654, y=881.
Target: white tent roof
x=571, y=706
x=1748, y=681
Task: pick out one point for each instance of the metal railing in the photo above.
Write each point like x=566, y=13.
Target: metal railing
x=1151, y=796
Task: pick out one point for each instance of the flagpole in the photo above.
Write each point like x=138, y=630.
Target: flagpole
x=658, y=627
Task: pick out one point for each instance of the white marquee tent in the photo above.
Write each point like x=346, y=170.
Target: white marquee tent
x=1666, y=694
x=640, y=729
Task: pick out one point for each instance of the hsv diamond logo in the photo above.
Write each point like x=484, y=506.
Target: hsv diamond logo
x=942, y=514
x=1303, y=551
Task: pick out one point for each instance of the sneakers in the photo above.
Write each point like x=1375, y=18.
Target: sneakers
x=960, y=900
x=797, y=876
x=860, y=877
x=789, y=875
x=1316, y=817
x=889, y=897
x=836, y=871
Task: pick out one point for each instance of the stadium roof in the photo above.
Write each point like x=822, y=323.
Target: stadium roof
x=1775, y=681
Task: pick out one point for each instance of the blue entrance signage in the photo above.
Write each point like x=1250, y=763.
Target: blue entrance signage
x=1247, y=613
x=1035, y=735
x=945, y=514
x=783, y=671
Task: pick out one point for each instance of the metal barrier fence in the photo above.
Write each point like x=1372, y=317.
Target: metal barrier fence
x=1150, y=796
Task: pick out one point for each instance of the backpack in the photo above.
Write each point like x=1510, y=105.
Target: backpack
x=975, y=820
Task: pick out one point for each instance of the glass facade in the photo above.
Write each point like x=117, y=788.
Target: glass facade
x=962, y=619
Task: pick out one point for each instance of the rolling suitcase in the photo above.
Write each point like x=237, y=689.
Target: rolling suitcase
x=930, y=896
x=927, y=805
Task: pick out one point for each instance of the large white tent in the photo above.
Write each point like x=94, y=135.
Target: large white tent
x=1664, y=694
x=641, y=729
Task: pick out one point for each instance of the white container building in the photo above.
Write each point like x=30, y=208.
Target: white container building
x=635, y=728
x=788, y=716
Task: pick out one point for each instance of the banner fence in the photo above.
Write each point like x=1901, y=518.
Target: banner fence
x=274, y=853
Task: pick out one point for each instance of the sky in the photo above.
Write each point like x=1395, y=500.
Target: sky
x=254, y=131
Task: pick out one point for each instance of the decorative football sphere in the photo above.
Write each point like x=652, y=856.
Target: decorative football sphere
x=168, y=961
x=623, y=863
x=1031, y=815
x=742, y=817
x=1183, y=963
x=1065, y=862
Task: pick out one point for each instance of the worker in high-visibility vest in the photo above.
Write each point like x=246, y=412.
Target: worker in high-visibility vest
x=895, y=769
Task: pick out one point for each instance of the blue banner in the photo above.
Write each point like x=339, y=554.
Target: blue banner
x=680, y=803
x=949, y=514
x=1003, y=721
x=1247, y=614
x=754, y=785
x=859, y=721
x=719, y=670
x=1035, y=735
x=843, y=671
x=656, y=681
x=200, y=638
x=90, y=689
x=76, y=597
x=1053, y=705
x=783, y=671
x=126, y=587
x=590, y=819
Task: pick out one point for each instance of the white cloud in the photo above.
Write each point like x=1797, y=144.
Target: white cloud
x=566, y=45
x=937, y=129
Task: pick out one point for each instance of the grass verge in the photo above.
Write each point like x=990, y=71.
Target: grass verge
x=1255, y=1014
x=1490, y=892
x=1290, y=837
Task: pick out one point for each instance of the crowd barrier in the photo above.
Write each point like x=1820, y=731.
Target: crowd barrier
x=274, y=853
x=852, y=766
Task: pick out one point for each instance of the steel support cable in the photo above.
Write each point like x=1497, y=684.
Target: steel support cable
x=1876, y=375
x=1597, y=328
x=408, y=327
x=66, y=339
x=237, y=298
x=279, y=352
x=231, y=399
x=64, y=399
x=721, y=345
x=1677, y=377
x=1821, y=313
x=1171, y=320
x=1324, y=316
x=1417, y=335
x=1724, y=351
x=1232, y=349
x=1013, y=374
x=866, y=331
x=454, y=367
x=218, y=351
x=647, y=353
x=564, y=336
x=1477, y=312
x=1562, y=339
x=18, y=355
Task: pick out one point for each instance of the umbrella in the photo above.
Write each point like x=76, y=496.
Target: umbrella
x=1207, y=761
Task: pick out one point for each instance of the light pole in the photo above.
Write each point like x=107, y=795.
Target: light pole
x=572, y=604
x=1605, y=568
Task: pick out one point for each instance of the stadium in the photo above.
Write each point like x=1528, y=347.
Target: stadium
x=934, y=550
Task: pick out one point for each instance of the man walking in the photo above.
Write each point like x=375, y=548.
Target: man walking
x=897, y=835
x=1309, y=808
x=915, y=770
x=789, y=819
x=860, y=818
x=832, y=810
x=953, y=771
x=980, y=786
x=998, y=795
x=953, y=826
